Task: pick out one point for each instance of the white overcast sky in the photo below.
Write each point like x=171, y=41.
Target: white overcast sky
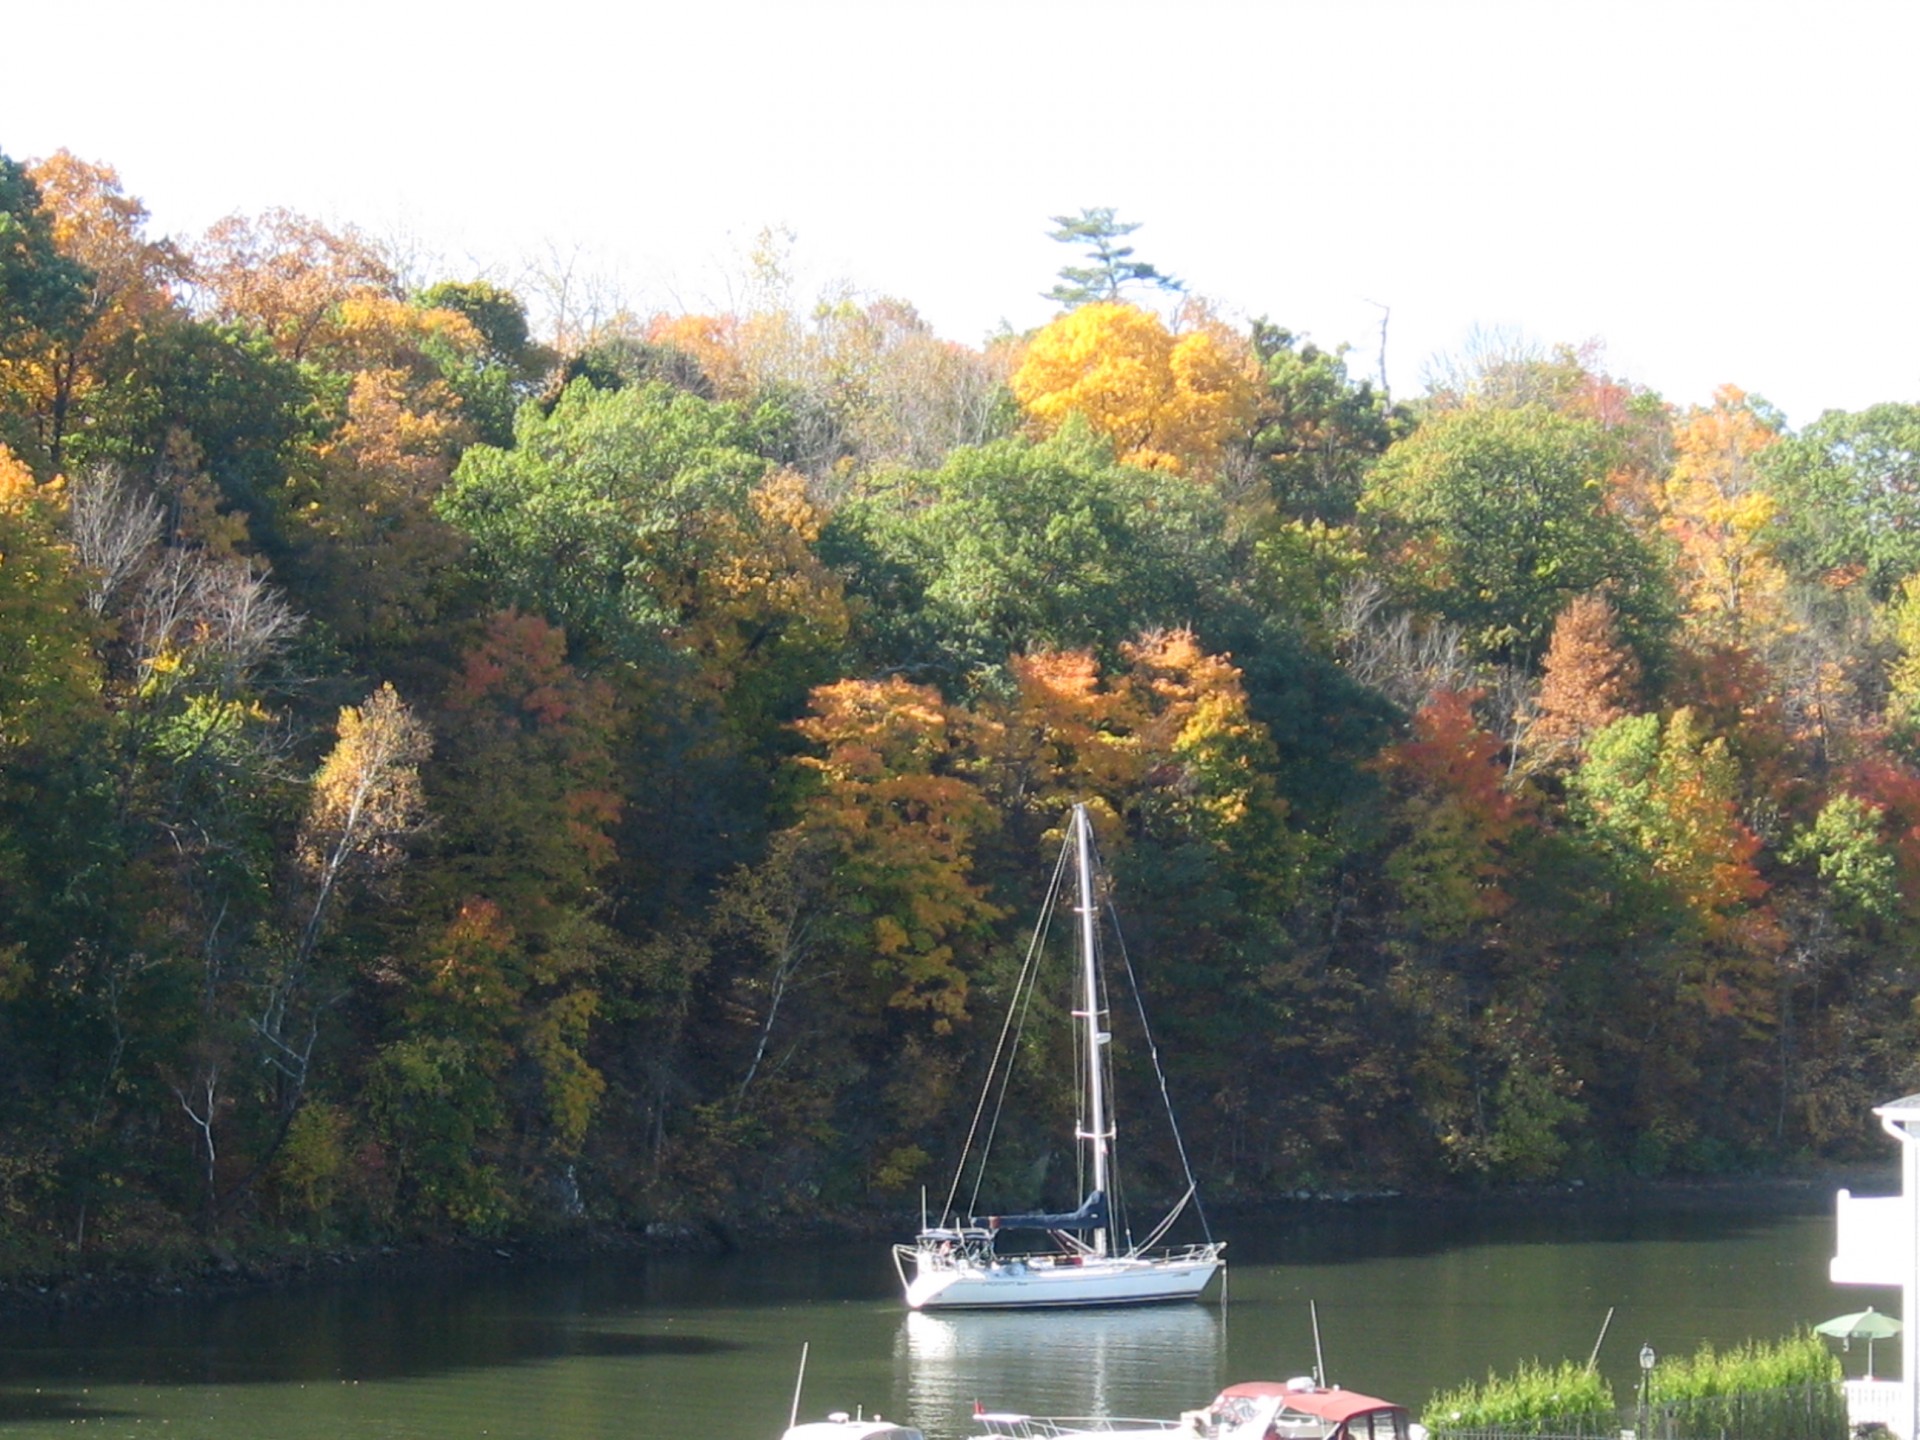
x=1718, y=193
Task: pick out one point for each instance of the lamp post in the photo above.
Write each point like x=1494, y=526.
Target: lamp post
x=1647, y=1361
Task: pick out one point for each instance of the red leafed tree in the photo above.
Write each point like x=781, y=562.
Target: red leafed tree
x=1451, y=868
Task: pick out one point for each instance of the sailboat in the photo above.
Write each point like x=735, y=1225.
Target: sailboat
x=954, y=1264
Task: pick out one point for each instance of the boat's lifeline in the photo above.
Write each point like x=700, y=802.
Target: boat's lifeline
x=1035, y=1282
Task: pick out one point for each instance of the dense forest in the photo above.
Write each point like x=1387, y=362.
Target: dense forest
x=459, y=780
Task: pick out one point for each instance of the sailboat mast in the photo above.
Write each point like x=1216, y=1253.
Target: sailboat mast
x=1097, y=1131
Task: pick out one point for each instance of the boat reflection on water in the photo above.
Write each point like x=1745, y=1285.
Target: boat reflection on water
x=1151, y=1360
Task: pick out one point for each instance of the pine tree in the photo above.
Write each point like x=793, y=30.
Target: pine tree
x=1112, y=268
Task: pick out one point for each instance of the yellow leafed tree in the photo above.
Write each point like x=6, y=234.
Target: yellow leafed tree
x=1716, y=511
x=1903, y=670
x=895, y=805
x=1168, y=401
x=48, y=672
x=366, y=797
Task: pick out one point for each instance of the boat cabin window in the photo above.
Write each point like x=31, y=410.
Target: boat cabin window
x=1376, y=1425
x=1235, y=1412
x=1263, y=1418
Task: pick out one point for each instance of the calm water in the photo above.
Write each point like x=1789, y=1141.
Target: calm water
x=709, y=1347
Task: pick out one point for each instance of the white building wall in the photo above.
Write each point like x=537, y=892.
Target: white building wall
x=1874, y=1245
x=1873, y=1240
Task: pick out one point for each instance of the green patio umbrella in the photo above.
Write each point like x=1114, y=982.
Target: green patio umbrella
x=1868, y=1325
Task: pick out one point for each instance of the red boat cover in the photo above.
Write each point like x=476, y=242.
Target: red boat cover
x=1333, y=1405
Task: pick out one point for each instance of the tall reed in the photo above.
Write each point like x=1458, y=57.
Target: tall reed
x=1785, y=1389
x=1537, y=1399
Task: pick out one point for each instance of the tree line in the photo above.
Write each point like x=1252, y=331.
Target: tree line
x=454, y=780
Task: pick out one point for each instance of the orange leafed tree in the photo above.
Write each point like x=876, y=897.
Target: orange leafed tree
x=530, y=742
x=365, y=509
x=132, y=284
x=1167, y=401
x=1196, y=719
x=714, y=343
x=1171, y=732
x=287, y=275
x=527, y=808
x=1067, y=736
x=1588, y=680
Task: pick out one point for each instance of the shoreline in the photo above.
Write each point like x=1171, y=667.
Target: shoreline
x=217, y=1271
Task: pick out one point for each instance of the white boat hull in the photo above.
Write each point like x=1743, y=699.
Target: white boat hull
x=1033, y=1285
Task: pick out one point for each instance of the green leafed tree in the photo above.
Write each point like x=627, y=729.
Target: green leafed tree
x=1845, y=847
x=40, y=290
x=1497, y=518
x=1016, y=546
x=1316, y=431
x=495, y=378
x=1848, y=490
x=585, y=517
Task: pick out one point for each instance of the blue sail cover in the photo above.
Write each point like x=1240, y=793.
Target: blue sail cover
x=1092, y=1215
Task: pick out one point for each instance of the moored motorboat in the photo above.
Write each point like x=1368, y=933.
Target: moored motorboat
x=1009, y=1425
x=1295, y=1409
x=839, y=1425
x=1301, y=1410
x=842, y=1426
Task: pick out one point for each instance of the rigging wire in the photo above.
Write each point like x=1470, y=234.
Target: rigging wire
x=1159, y=1075
x=1001, y=1066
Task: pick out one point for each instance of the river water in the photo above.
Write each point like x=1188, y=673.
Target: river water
x=1409, y=1299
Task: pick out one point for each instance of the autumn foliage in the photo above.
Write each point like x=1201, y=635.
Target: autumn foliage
x=1167, y=401
x=1588, y=680
x=473, y=766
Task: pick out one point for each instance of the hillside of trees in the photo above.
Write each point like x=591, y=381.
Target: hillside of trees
x=459, y=781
